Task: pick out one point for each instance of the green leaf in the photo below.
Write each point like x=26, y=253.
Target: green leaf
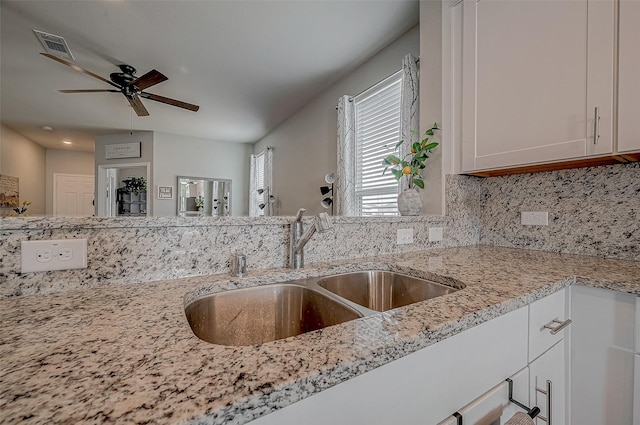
x=429, y=132
x=431, y=146
x=391, y=160
x=418, y=183
x=397, y=174
x=398, y=144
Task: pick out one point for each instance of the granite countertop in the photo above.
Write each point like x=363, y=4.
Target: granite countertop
x=125, y=353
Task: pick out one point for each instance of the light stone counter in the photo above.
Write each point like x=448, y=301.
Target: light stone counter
x=125, y=353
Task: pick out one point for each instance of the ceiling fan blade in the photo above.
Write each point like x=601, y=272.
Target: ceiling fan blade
x=149, y=79
x=170, y=101
x=90, y=91
x=137, y=105
x=77, y=68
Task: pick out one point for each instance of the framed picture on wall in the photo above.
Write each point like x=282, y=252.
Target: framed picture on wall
x=165, y=192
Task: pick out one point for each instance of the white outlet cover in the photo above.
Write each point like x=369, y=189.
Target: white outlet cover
x=534, y=218
x=404, y=236
x=435, y=234
x=42, y=256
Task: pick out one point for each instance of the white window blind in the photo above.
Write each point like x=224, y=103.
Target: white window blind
x=377, y=117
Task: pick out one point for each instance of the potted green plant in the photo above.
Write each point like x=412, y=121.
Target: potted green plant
x=200, y=203
x=135, y=185
x=409, y=167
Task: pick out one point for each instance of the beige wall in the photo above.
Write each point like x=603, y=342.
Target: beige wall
x=431, y=101
x=60, y=161
x=22, y=158
x=305, y=145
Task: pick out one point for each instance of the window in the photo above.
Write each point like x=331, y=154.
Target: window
x=377, y=131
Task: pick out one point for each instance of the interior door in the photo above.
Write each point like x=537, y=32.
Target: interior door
x=73, y=195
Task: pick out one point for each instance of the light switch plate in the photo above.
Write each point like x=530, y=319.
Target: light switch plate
x=42, y=256
x=534, y=218
x=435, y=234
x=404, y=236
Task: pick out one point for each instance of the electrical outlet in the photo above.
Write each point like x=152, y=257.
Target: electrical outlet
x=41, y=256
x=404, y=236
x=435, y=234
x=531, y=218
x=44, y=255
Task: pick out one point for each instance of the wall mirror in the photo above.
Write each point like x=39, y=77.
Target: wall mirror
x=203, y=196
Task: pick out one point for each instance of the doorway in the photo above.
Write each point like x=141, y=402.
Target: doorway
x=110, y=199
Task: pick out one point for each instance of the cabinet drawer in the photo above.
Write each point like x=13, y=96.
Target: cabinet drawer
x=549, y=311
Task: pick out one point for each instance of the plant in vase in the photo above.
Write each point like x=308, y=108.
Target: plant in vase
x=200, y=203
x=409, y=167
x=19, y=211
x=135, y=185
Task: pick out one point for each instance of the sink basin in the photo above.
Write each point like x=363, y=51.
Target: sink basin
x=264, y=313
x=383, y=290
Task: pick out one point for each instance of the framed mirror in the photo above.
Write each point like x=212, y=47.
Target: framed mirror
x=203, y=196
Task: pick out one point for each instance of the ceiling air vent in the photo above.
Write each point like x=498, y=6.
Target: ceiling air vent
x=54, y=45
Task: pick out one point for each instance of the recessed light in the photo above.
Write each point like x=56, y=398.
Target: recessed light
x=47, y=128
x=66, y=142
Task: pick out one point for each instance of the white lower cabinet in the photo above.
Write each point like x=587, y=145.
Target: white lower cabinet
x=424, y=387
x=547, y=385
x=602, y=357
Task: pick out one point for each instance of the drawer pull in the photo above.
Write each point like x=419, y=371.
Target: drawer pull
x=556, y=325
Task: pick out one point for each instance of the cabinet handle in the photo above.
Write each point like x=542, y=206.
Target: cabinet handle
x=547, y=393
x=556, y=325
x=596, y=127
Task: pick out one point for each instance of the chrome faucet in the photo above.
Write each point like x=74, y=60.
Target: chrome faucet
x=299, y=237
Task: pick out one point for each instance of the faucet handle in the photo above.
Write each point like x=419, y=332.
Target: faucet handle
x=299, y=215
x=323, y=222
x=238, y=265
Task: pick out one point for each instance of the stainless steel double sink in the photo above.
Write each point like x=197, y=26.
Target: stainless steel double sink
x=275, y=311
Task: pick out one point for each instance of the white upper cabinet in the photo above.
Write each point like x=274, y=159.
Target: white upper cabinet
x=532, y=75
x=629, y=77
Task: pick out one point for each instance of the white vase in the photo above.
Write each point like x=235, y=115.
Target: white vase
x=409, y=202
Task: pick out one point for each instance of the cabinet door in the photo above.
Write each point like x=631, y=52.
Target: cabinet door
x=533, y=74
x=636, y=392
x=547, y=382
x=602, y=356
x=629, y=77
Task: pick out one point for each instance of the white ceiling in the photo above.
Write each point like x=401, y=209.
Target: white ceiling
x=248, y=64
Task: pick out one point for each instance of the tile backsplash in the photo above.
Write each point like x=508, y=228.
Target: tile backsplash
x=136, y=250
x=592, y=211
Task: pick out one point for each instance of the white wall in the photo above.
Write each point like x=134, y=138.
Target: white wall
x=65, y=162
x=305, y=144
x=176, y=155
x=22, y=158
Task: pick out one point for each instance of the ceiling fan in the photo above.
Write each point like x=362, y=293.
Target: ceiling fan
x=129, y=85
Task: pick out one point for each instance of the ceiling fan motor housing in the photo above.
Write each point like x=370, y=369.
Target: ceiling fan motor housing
x=125, y=77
